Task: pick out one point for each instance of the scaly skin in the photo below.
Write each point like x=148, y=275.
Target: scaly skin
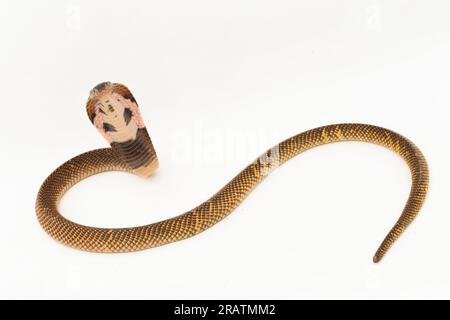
x=219, y=205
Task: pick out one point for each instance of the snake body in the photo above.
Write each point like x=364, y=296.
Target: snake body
x=140, y=158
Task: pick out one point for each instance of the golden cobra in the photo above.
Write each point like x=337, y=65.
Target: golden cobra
x=114, y=111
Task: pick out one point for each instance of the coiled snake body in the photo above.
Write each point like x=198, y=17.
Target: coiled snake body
x=114, y=111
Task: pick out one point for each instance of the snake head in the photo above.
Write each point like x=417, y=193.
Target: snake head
x=113, y=110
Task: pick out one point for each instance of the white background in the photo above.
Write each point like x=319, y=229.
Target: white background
x=218, y=83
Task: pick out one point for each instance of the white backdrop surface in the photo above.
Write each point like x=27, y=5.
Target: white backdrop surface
x=218, y=83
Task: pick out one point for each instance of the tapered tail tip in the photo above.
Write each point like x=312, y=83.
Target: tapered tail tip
x=376, y=258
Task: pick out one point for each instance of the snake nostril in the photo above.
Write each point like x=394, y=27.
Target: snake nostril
x=110, y=108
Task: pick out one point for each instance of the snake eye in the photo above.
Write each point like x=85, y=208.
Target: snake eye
x=100, y=107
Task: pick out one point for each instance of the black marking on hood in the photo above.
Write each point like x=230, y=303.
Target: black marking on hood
x=127, y=115
x=109, y=127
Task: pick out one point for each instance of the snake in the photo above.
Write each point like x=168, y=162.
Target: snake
x=113, y=110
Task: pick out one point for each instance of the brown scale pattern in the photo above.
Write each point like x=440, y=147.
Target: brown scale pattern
x=223, y=202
